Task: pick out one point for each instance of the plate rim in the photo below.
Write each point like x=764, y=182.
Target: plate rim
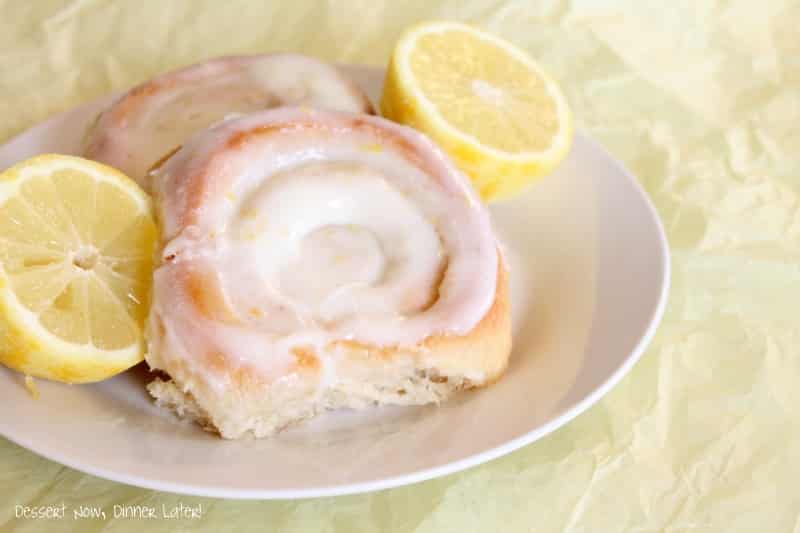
x=424, y=474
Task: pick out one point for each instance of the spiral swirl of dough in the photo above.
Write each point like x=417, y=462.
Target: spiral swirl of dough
x=289, y=231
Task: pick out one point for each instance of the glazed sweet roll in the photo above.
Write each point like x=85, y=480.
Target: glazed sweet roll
x=154, y=118
x=313, y=260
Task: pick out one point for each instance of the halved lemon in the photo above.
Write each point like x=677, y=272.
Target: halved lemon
x=492, y=108
x=77, y=240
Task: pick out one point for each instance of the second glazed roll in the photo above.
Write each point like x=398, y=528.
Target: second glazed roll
x=154, y=118
x=314, y=260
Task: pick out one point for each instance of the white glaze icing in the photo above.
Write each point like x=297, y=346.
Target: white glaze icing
x=317, y=231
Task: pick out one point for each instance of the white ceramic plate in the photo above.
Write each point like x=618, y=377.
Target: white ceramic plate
x=589, y=277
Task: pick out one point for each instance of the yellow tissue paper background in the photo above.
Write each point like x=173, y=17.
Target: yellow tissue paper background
x=701, y=99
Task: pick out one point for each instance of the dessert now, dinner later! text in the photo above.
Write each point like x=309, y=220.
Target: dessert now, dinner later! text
x=134, y=512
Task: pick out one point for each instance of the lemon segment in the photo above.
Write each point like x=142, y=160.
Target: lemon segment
x=491, y=107
x=77, y=240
